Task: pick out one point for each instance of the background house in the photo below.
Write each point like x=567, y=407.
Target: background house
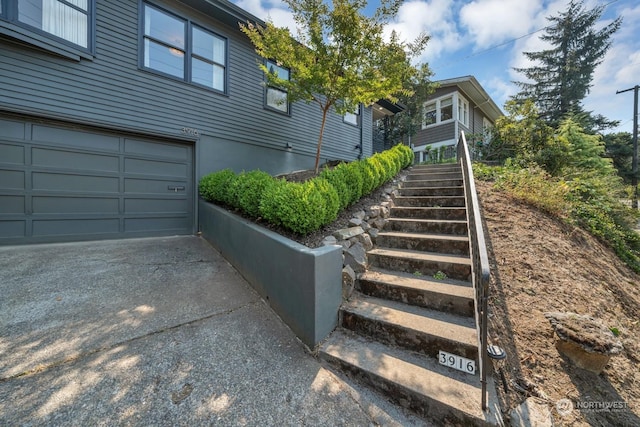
x=459, y=104
x=111, y=110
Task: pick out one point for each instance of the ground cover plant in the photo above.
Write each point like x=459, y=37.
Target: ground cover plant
x=304, y=207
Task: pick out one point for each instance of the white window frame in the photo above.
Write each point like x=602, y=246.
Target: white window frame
x=438, y=110
x=463, y=110
x=283, y=108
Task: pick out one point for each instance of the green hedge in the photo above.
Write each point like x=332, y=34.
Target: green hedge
x=304, y=207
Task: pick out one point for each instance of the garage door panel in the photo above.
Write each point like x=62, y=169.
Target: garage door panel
x=155, y=167
x=12, y=204
x=75, y=227
x=74, y=138
x=75, y=205
x=12, y=180
x=74, y=161
x=156, y=224
x=71, y=182
x=11, y=129
x=153, y=186
x=12, y=228
x=179, y=206
x=174, y=152
x=11, y=154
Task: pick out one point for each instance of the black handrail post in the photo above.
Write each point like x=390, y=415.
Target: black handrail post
x=480, y=261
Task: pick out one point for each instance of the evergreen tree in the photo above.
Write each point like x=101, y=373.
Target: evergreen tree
x=562, y=75
x=619, y=147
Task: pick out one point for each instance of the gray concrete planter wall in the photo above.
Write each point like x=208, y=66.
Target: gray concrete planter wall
x=303, y=285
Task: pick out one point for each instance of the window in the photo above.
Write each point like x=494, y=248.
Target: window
x=179, y=48
x=67, y=20
x=463, y=111
x=438, y=111
x=277, y=97
x=353, y=118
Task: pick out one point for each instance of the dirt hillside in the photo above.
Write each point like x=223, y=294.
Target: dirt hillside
x=540, y=264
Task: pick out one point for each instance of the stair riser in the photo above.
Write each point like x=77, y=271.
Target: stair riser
x=424, y=267
x=419, y=297
x=433, y=183
x=434, y=191
x=433, y=176
x=418, y=403
x=438, y=168
x=409, y=339
x=455, y=214
x=407, y=225
x=454, y=202
x=443, y=246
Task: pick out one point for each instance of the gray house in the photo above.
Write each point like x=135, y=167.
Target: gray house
x=111, y=110
x=459, y=104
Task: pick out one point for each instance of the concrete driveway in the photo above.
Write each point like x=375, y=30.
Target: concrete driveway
x=158, y=331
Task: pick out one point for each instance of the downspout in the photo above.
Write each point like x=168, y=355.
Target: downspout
x=362, y=132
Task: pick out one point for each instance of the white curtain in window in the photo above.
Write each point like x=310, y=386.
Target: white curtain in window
x=66, y=22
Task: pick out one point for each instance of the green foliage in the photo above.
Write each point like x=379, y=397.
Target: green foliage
x=247, y=189
x=341, y=58
x=215, y=186
x=439, y=275
x=619, y=148
x=561, y=76
x=302, y=207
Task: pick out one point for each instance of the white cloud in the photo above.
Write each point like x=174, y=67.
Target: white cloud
x=274, y=10
x=493, y=21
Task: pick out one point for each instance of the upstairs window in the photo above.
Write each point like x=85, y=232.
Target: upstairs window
x=277, y=97
x=438, y=111
x=181, y=49
x=353, y=118
x=463, y=111
x=68, y=20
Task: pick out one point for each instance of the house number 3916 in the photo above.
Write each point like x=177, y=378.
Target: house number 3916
x=190, y=131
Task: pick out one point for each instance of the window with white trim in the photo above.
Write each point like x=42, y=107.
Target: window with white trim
x=179, y=48
x=438, y=111
x=67, y=20
x=277, y=97
x=352, y=118
x=463, y=111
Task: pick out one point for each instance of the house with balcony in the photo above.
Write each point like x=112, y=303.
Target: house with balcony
x=458, y=104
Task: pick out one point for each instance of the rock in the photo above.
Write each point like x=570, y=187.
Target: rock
x=365, y=239
x=365, y=226
x=379, y=223
x=373, y=211
x=347, y=233
x=329, y=240
x=356, y=257
x=373, y=233
x=385, y=212
x=346, y=244
x=348, y=282
x=355, y=222
x=586, y=341
x=359, y=214
x=531, y=413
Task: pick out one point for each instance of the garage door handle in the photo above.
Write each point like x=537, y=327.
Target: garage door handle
x=176, y=188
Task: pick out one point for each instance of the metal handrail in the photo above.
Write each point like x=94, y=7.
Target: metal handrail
x=480, y=261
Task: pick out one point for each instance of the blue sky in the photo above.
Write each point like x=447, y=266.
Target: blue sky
x=486, y=38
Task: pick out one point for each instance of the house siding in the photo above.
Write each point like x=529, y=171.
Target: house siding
x=434, y=134
x=111, y=91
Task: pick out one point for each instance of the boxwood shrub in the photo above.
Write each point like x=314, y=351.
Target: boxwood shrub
x=304, y=207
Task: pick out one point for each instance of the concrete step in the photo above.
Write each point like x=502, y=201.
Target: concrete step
x=450, y=296
x=424, y=242
x=454, y=227
x=414, y=328
x=420, y=384
x=428, y=176
x=450, y=213
x=431, y=191
x=426, y=263
x=433, y=183
x=430, y=201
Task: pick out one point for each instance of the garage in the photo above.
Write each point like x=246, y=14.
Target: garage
x=61, y=183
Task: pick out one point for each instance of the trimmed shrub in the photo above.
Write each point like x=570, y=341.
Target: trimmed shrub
x=332, y=201
x=247, y=190
x=353, y=178
x=215, y=186
x=338, y=178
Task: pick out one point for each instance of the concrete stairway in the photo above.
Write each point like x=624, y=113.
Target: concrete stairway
x=415, y=300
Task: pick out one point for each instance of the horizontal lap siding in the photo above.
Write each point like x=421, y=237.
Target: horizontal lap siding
x=111, y=91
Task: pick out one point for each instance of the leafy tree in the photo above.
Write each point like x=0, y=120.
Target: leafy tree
x=585, y=152
x=619, y=147
x=407, y=122
x=562, y=75
x=341, y=58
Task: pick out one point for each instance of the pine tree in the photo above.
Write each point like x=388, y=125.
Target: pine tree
x=562, y=75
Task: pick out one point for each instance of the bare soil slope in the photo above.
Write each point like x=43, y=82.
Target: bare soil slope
x=541, y=264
